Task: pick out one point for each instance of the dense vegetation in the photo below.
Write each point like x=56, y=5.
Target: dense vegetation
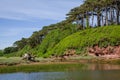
x=77, y=32
x=103, y=36
x=105, y=12
x=1, y=52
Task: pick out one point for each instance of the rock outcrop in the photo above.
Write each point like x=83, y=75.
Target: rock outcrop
x=108, y=52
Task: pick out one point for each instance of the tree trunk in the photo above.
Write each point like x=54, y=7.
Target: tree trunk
x=112, y=15
x=102, y=20
x=87, y=21
x=117, y=15
x=106, y=20
x=98, y=19
x=92, y=19
x=82, y=22
x=117, y=11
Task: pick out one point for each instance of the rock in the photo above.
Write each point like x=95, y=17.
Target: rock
x=108, y=52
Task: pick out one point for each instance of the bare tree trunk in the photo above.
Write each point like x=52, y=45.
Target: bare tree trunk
x=77, y=22
x=117, y=15
x=98, y=19
x=117, y=11
x=82, y=22
x=112, y=15
x=114, y=19
x=92, y=19
x=87, y=21
x=102, y=21
x=106, y=18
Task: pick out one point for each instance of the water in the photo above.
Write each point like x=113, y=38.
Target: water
x=93, y=72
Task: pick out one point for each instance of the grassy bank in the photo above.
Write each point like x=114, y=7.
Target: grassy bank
x=9, y=60
x=13, y=61
x=43, y=65
x=59, y=40
x=102, y=36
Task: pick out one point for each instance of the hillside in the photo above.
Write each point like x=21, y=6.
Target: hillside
x=85, y=26
x=80, y=41
x=57, y=41
x=51, y=39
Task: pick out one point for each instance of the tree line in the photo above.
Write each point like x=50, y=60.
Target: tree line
x=92, y=13
x=103, y=12
x=35, y=39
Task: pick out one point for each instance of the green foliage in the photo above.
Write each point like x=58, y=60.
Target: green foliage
x=21, y=43
x=95, y=8
x=19, y=53
x=102, y=36
x=36, y=38
x=1, y=52
x=9, y=60
x=58, y=40
x=9, y=50
x=54, y=37
x=26, y=49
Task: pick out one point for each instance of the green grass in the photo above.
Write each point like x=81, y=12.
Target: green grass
x=53, y=38
x=48, y=43
x=43, y=67
x=18, y=60
x=102, y=36
x=58, y=40
x=9, y=60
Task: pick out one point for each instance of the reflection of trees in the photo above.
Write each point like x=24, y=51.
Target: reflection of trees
x=103, y=67
x=95, y=72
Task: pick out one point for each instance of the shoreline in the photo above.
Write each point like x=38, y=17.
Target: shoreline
x=6, y=61
x=71, y=64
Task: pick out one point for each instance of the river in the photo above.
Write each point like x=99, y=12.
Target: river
x=92, y=72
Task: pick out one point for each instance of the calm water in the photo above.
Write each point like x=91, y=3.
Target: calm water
x=93, y=72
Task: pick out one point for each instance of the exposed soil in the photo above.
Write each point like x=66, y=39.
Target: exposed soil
x=108, y=52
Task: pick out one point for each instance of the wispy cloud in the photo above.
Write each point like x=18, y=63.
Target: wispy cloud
x=30, y=9
x=19, y=18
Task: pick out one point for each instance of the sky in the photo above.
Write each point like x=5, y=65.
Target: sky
x=20, y=18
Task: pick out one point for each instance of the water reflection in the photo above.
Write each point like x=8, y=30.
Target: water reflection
x=77, y=75
x=93, y=72
x=103, y=67
x=95, y=75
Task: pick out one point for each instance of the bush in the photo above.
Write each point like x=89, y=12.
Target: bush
x=1, y=53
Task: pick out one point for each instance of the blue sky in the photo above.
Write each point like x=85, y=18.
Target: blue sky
x=20, y=18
